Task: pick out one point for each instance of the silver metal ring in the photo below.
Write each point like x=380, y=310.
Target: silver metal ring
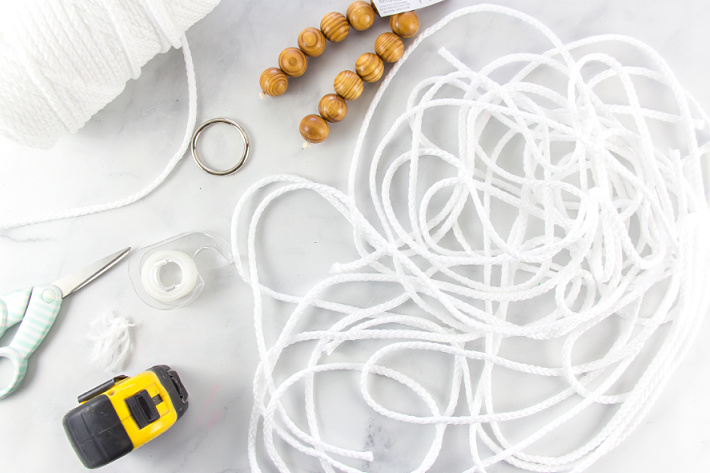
x=216, y=172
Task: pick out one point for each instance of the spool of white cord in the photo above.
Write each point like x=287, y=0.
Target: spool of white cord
x=99, y=46
x=64, y=60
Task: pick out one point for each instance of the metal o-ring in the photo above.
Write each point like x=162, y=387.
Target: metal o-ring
x=216, y=172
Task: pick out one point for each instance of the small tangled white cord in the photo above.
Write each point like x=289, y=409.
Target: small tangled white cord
x=570, y=216
x=111, y=334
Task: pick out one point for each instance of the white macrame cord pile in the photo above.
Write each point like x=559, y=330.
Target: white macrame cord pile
x=608, y=229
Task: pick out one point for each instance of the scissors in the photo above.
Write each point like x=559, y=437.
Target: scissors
x=36, y=308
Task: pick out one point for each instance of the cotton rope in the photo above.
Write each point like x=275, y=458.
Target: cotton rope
x=602, y=268
x=65, y=60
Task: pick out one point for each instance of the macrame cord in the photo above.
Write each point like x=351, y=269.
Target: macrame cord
x=610, y=228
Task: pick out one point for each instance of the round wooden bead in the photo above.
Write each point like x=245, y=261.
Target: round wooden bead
x=332, y=107
x=348, y=85
x=360, y=15
x=389, y=47
x=369, y=67
x=405, y=25
x=293, y=62
x=312, y=42
x=314, y=129
x=273, y=81
x=335, y=26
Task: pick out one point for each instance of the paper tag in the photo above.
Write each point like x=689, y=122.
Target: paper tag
x=391, y=7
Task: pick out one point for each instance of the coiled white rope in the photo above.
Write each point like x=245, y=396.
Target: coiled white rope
x=65, y=60
x=551, y=264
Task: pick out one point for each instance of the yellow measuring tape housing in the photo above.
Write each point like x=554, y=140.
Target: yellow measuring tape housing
x=124, y=413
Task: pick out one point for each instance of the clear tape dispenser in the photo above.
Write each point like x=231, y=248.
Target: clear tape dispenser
x=173, y=272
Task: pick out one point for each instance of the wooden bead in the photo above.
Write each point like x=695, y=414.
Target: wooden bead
x=273, y=81
x=405, y=25
x=389, y=47
x=348, y=85
x=360, y=15
x=312, y=42
x=293, y=62
x=369, y=67
x=314, y=129
x=335, y=26
x=332, y=107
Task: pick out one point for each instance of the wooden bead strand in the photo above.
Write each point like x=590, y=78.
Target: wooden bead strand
x=312, y=42
x=369, y=67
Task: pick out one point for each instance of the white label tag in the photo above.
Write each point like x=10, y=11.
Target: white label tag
x=391, y=7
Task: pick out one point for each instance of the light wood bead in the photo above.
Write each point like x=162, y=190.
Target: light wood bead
x=348, y=85
x=389, y=47
x=369, y=67
x=335, y=26
x=314, y=128
x=404, y=25
x=360, y=15
x=293, y=62
x=312, y=42
x=273, y=81
x=332, y=107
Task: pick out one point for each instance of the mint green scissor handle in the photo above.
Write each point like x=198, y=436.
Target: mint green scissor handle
x=41, y=309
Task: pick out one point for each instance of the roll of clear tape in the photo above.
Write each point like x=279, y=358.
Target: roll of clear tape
x=172, y=273
x=168, y=288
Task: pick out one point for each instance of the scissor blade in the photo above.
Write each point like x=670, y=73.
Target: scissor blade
x=81, y=278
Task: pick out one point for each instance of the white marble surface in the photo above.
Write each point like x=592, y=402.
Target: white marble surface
x=211, y=342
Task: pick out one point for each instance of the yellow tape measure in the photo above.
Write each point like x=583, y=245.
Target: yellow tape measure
x=124, y=413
